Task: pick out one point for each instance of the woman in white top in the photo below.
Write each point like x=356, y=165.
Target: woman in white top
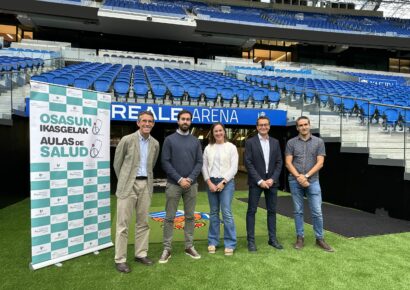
x=219, y=168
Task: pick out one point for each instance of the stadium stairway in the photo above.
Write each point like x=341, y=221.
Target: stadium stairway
x=385, y=147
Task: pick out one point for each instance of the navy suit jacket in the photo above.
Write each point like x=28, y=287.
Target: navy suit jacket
x=255, y=163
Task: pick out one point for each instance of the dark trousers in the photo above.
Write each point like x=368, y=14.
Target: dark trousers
x=253, y=200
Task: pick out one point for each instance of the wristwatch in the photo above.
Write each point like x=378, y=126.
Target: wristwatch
x=307, y=176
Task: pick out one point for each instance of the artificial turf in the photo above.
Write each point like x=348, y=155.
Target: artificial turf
x=379, y=262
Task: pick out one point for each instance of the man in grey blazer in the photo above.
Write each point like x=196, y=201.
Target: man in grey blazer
x=134, y=160
x=263, y=161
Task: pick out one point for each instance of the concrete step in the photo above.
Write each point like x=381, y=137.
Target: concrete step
x=384, y=147
x=5, y=116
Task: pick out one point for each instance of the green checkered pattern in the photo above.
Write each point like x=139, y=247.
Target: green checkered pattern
x=70, y=200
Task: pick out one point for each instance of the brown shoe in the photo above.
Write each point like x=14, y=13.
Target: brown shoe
x=122, y=267
x=322, y=244
x=299, y=243
x=144, y=260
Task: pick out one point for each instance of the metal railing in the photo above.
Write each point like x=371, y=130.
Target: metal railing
x=14, y=87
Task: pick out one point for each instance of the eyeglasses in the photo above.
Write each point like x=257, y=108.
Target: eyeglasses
x=146, y=121
x=263, y=125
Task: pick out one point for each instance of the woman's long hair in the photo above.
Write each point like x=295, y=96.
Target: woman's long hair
x=211, y=138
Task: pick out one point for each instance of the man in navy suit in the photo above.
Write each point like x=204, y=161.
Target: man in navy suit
x=263, y=160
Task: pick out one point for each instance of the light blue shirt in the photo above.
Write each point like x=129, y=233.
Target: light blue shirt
x=142, y=169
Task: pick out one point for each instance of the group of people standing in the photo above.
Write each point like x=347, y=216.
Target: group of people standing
x=182, y=160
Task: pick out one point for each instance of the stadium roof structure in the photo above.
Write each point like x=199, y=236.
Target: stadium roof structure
x=390, y=8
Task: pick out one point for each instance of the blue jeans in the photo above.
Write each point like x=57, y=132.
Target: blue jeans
x=314, y=197
x=221, y=201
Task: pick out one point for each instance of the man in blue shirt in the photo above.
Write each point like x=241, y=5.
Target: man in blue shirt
x=135, y=158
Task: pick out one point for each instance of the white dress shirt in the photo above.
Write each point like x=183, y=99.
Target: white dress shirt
x=265, y=150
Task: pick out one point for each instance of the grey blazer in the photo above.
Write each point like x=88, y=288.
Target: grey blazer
x=126, y=162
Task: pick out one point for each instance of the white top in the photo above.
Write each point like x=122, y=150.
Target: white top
x=220, y=160
x=265, y=150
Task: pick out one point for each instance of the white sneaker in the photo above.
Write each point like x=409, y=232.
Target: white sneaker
x=165, y=257
x=211, y=249
x=228, y=252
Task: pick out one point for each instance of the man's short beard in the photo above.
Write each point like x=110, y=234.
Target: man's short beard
x=180, y=128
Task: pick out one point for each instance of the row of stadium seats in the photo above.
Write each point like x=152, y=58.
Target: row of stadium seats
x=30, y=53
x=158, y=83
x=160, y=8
x=379, y=79
x=8, y=64
x=148, y=58
x=339, y=22
x=320, y=21
x=367, y=101
x=235, y=16
x=311, y=87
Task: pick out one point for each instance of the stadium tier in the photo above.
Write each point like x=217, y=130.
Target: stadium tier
x=265, y=17
x=156, y=82
x=177, y=83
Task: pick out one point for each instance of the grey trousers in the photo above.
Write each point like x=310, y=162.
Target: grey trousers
x=140, y=200
x=173, y=195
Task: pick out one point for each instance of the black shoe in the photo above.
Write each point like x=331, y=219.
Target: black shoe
x=275, y=244
x=192, y=253
x=144, y=260
x=252, y=247
x=122, y=267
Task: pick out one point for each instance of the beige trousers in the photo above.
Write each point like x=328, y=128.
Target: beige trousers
x=140, y=200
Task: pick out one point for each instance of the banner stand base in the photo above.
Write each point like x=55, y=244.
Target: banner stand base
x=68, y=257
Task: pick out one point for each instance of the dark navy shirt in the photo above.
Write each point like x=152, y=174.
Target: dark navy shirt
x=181, y=157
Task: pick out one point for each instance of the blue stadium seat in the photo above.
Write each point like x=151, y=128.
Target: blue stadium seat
x=102, y=85
x=140, y=89
x=274, y=98
x=82, y=83
x=391, y=118
x=158, y=90
x=227, y=95
x=194, y=92
x=121, y=88
x=211, y=93
x=61, y=81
